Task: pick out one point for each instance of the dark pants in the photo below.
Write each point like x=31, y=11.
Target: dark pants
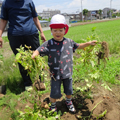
x=56, y=88
x=16, y=42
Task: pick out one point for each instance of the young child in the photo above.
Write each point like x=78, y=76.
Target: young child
x=60, y=53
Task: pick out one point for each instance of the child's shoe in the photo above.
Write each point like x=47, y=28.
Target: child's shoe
x=70, y=106
x=53, y=107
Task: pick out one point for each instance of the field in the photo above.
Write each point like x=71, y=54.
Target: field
x=96, y=89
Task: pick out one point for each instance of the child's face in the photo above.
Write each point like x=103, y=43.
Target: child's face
x=58, y=33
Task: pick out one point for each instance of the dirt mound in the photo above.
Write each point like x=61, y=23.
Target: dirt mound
x=103, y=106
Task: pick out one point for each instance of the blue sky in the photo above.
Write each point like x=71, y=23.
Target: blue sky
x=74, y=6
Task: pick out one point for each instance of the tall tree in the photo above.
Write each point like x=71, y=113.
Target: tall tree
x=85, y=12
x=39, y=17
x=100, y=12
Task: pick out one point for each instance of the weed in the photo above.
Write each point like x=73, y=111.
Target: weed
x=38, y=114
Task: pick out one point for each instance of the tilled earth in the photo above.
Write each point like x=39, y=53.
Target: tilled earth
x=104, y=105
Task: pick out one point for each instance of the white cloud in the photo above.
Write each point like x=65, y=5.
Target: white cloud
x=75, y=5
x=40, y=8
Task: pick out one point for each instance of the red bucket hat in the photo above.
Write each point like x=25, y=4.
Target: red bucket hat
x=58, y=21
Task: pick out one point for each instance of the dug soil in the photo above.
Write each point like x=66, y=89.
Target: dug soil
x=104, y=105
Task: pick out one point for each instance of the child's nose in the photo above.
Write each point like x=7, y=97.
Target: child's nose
x=58, y=31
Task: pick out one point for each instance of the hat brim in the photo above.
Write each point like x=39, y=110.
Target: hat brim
x=56, y=26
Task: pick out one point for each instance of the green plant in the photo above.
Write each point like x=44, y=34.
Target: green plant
x=85, y=12
x=89, y=60
x=91, y=113
x=107, y=31
x=1, y=59
x=101, y=115
x=38, y=114
x=7, y=101
x=100, y=12
x=35, y=66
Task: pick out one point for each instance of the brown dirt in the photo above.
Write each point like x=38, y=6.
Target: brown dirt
x=1, y=95
x=6, y=50
x=39, y=85
x=104, y=100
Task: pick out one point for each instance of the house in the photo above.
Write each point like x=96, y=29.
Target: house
x=44, y=23
x=46, y=14
x=106, y=12
x=71, y=17
x=67, y=17
x=93, y=15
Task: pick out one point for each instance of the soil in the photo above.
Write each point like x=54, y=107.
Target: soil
x=39, y=85
x=6, y=50
x=1, y=95
x=89, y=109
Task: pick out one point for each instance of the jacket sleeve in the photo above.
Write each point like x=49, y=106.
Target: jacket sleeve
x=43, y=49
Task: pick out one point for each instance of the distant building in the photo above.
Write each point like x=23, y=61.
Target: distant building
x=67, y=17
x=71, y=17
x=44, y=23
x=93, y=15
x=46, y=14
x=106, y=12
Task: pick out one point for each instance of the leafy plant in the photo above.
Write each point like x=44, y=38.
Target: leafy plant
x=89, y=60
x=1, y=59
x=38, y=114
x=34, y=67
x=101, y=115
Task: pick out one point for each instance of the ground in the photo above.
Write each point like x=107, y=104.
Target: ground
x=89, y=109
x=101, y=101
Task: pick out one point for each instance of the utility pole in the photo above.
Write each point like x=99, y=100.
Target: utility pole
x=110, y=8
x=81, y=10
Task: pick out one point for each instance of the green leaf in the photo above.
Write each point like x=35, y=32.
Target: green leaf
x=1, y=56
x=18, y=55
x=93, y=29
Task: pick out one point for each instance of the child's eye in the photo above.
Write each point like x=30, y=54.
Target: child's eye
x=61, y=30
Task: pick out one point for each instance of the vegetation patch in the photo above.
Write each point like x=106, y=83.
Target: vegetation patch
x=96, y=80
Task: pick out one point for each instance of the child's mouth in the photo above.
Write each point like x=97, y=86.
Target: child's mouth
x=57, y=36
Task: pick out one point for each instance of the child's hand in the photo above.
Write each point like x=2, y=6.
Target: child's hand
x=93, y=42
x=35, y=53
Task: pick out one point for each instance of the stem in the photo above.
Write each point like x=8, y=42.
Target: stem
x=96, y=105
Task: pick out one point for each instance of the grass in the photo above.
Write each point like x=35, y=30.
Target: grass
x=9, y=75
x=107, y=31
